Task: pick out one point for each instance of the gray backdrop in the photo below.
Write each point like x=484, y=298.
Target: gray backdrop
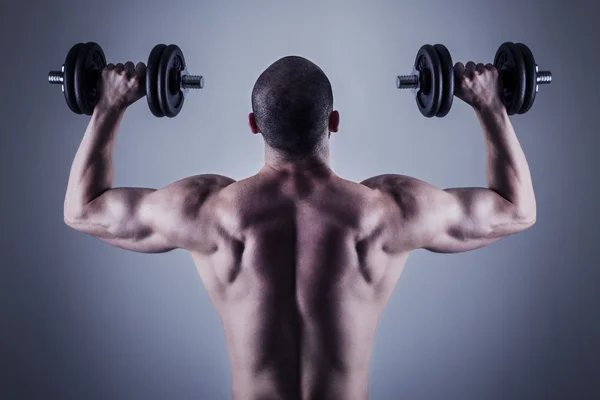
x=82, y=320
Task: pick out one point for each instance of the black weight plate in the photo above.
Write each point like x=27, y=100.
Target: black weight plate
x=69, y=78
x=509, y=61
x=90, y=63
x=169, y=81
x=152, y=80
x=447, y=80
x=531, y=84
x=429, y=96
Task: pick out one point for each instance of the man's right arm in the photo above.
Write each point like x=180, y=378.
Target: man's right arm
x=462, y=219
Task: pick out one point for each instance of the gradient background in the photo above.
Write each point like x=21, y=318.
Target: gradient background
x=82, y=320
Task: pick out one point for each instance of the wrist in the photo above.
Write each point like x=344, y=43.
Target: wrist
x=491, y=111
x=106, y=109
x=105, y=120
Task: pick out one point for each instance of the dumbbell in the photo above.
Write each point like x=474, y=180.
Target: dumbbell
x=167, y=80
x=521, y=76
x=432, y=79
x=79, y=75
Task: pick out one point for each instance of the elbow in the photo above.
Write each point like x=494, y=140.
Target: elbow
x=530, y=221
x=74, y=211
x=70, y=221
x=73, y=217
x=527, y=217
x=531, y=212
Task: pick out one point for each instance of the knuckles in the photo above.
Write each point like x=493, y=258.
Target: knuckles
x=127, y=71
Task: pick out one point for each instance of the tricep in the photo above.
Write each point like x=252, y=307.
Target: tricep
x=452, y=220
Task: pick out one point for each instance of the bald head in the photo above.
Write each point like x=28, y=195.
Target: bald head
x=291, y=102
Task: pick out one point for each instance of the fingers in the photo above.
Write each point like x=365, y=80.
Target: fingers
x=140, y=73
x=129, y=69
x=459, y=70
x=470, y=69
x=112, y=67
x=140, y=70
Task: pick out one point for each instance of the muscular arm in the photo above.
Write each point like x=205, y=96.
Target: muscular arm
x=138, y=219
x=462, y=219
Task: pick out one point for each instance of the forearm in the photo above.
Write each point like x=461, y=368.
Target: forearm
x=92, y=171
x=507, y=170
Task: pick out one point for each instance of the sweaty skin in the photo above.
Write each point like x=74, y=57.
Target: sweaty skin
x=298, y=261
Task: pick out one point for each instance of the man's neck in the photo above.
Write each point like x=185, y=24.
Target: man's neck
x=314, y=163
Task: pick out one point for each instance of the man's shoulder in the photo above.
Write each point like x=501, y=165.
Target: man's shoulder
x=212, y=181
x=403, y=193
x=192, y=193
x=198, y=186
x=391, y=181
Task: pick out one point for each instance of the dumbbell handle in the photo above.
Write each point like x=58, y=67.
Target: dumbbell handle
x=187, y=81
x=412, y=81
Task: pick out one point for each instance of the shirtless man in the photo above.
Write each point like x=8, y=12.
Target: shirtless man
x=298, y=261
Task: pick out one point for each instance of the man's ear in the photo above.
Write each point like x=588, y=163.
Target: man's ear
x=252, y=124
x=334, y=121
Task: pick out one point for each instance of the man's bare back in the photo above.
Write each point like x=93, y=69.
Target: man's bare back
x=297, y=269
x=299, y=262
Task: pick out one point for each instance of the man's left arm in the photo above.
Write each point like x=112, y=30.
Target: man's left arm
x=137, y=219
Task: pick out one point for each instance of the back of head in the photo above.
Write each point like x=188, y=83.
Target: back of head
x=292, y=101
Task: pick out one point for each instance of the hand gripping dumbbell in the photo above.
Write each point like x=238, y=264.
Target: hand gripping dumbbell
x=432, y=79
x=167, y=81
